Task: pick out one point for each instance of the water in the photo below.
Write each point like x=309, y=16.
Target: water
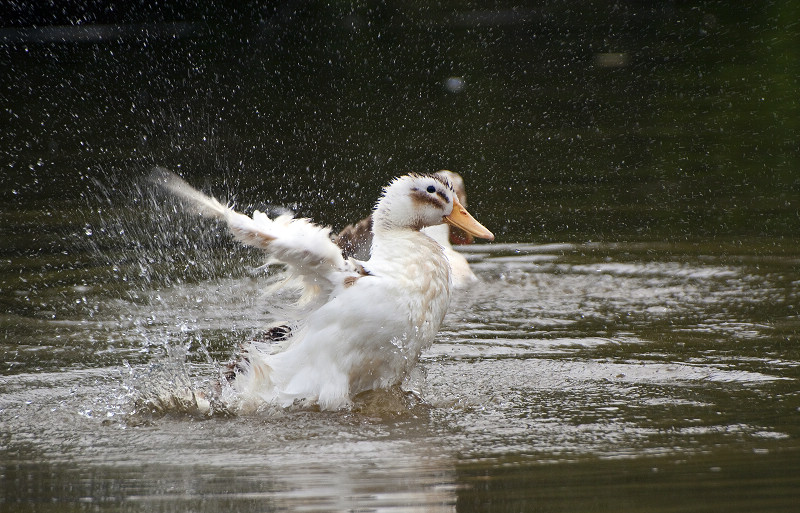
x=632, y=344
x=574, y=376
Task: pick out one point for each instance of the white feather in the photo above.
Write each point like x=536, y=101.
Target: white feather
x=304, y=247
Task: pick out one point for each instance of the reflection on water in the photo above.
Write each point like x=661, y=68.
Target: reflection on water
x=572, y=374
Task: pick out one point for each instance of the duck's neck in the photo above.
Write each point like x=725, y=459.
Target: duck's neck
x=440, y=233
x=407, y=248
x=396, y=242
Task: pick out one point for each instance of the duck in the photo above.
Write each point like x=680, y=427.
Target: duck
x=356, y=239
x=367, y=321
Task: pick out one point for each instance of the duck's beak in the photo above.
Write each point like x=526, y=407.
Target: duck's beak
x=460, y=218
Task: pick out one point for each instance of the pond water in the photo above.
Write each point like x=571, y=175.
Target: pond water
x=632, y=344
x=572, y=378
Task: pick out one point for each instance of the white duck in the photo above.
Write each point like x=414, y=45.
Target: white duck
x=370, y=320
x=356, y=239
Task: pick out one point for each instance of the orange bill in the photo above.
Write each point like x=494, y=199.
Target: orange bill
x=462, y=219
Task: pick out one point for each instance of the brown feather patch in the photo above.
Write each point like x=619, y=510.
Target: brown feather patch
x=423, y=197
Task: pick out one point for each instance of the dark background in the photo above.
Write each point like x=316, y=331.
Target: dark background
x=570, y=120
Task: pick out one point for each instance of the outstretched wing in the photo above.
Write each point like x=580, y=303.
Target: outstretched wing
x=355, y=240
x=303, y=246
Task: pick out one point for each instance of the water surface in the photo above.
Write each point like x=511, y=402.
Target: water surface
x=572, y=376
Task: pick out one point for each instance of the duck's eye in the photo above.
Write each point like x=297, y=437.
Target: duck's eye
x=431, y=189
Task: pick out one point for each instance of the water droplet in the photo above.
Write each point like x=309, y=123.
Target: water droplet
x=454, y=84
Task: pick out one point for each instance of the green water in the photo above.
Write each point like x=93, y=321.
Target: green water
x=633, y=345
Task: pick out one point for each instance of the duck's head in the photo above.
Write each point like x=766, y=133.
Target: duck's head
x=457, y=236
x=416, y=201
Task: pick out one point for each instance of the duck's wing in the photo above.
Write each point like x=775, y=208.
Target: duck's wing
x=355, y=240
x=300, y=244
